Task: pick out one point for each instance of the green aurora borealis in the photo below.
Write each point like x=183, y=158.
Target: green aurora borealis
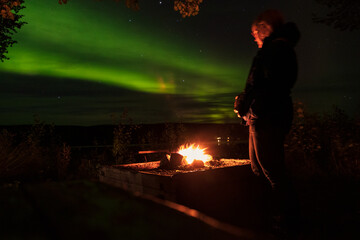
x=69, y=41
x=82, y=62
x=95, y=41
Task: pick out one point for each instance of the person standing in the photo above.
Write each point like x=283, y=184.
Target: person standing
x=266, y=104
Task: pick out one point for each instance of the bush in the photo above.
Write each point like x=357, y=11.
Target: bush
x=33, y=154
x=326, y=145
x=123, y=138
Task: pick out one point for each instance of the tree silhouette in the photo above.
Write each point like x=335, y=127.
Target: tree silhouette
x=10, y=22
x=342, y=15
x=186, y=8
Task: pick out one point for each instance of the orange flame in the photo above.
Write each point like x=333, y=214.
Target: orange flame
x=192, y=153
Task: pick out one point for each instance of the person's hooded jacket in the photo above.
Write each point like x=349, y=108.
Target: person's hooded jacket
x=266, y=98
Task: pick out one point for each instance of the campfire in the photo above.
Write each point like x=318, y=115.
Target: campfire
x=187, y=155
x=187, y=158
x=192, y=154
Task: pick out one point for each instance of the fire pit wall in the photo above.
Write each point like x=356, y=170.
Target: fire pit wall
x=232, y=194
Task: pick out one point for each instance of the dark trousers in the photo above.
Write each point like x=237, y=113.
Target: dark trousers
x=266, y=152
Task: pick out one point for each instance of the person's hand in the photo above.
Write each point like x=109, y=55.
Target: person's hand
x=237, y=113
x=245, y=118
x=236, y=109
x=236, y=104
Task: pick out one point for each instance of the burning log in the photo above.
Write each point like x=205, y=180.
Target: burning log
x=172, y=161
x=176, y=160
x=197, y=164
x=165, y=162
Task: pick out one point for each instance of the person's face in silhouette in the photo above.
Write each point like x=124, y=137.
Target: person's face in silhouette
x=260, y=31
x=255, y=34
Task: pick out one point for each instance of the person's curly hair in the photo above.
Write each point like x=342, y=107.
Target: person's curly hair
x=268, y=22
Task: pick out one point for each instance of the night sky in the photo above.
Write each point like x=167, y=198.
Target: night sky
x=84, y=62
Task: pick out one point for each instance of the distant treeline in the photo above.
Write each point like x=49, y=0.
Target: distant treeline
x=318, y=145
x=104, y=134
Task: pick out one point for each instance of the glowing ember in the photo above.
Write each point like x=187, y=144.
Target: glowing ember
x=192, y=153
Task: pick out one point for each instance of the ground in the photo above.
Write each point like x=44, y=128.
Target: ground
x=86, y=209
x=91, y=210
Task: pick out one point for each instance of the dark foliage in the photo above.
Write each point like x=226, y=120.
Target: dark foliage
x=10, y=22
x=123, y=138
x=324, y=145
x=187, y=8
x=342, y=15
x=34, y=154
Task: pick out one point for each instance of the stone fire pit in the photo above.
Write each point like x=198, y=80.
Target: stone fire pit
x=228, y=191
